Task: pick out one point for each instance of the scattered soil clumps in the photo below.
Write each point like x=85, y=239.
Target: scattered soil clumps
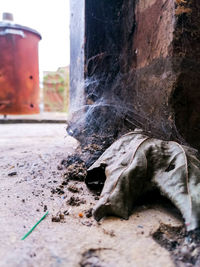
x=73, y=189
x=58, y=190
x=91, y=257
x=88, y=213
x=75, y=201
x=76, y=172
x=58, y=218
x=111, y=233
x=75, y=168
x=183, y=246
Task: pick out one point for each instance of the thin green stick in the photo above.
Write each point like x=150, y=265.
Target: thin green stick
x=29, y=232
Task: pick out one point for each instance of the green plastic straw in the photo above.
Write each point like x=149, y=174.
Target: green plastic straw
x=29, y=232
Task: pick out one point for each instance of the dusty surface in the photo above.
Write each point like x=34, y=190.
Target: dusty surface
x=183, y=246
x=42, y=117
x=29, y=177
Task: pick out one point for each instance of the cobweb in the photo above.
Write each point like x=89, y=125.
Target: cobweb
x=113, y=97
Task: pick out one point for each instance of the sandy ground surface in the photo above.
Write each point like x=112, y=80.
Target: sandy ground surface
x=29, y=156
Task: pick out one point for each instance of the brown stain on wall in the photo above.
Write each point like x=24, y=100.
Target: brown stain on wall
x=154, y=31
x=167, y=66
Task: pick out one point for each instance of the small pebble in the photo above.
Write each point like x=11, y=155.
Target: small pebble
x=88, y=213
x=45, y=208
x=59, y=167
x=62, y=216
x=55, y=219
x=12, y=173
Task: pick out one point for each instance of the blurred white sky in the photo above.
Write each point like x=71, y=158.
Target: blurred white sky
x=51, y=19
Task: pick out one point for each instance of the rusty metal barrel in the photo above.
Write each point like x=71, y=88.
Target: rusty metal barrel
x=19, y=68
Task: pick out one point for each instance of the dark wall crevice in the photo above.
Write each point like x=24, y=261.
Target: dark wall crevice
x=141, y=69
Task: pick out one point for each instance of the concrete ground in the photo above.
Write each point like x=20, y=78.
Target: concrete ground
x=42, y=117
x=29, y=156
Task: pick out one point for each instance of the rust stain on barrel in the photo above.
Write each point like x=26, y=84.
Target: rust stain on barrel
x=19, y=70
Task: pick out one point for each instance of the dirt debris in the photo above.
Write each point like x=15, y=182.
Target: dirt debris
x=75, y=168
x=183, y=246
x=60, y=168
x=76, y=172
x=12, y=173
x=77, y=164
x=93, y=148
x=73, y=189
x=45, y=208
x=71, y=159
x=58, y=217
x=87, y=223
x=168, y=237
x=109, y=232
x=91, y=257
x=55, y=219
x=65, y=182
x=58, y=190
x=88, y=213
x=75, y=201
